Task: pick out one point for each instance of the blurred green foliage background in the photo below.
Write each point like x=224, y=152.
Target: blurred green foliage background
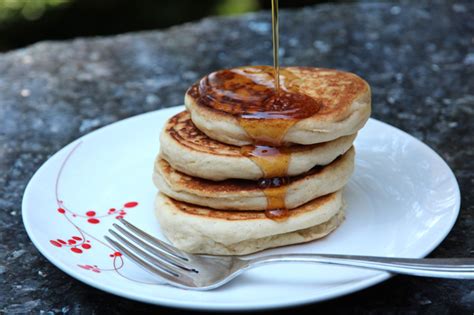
x=23, y=22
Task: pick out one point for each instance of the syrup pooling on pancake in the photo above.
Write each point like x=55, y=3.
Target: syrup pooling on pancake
x=248, y=93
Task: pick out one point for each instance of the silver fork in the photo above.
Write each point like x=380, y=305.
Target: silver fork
x=204, y=272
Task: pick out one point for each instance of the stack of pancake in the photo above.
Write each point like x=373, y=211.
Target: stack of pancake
x=250, y=166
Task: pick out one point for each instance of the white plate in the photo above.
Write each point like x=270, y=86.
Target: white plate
x=402, y=201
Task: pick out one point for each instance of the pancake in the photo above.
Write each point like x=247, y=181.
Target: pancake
x=234, y=194
x=192, y=152
x=196, y=229
x=237, y=106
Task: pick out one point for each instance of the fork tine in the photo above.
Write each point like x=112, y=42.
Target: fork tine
x=173, y=270
x=154, y=241
x=163, y=255
x=142, y=263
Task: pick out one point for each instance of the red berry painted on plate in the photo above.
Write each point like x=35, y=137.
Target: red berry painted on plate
x=61, y=241
x=55, y=243
x=93, y=220
x=77, y=238
x=76, y=250
x=90, y=213
x=86, y=246
x=119, y=217
x=61, y=210
x=130, y=204
x=71, y=242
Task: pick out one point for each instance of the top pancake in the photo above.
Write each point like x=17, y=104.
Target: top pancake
x=237, y=106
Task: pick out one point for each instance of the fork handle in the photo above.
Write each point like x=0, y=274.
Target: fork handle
x=453, y=268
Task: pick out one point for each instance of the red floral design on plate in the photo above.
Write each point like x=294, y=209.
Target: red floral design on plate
x=91, y=215
x=76, y=244
x=79, y=244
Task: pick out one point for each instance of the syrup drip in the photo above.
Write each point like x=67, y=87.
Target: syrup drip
x=277, y=214
x=273, y=161
x=276, y=45
x=275, y=192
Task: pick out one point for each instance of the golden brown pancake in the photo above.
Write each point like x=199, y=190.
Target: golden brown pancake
x=239, y=106
x=192, y=152
x=202, y=230
x=238, y=194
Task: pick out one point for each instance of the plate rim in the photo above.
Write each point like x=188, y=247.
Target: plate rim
x=217, y=306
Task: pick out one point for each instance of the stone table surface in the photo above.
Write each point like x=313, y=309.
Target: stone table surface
x=418, y=58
